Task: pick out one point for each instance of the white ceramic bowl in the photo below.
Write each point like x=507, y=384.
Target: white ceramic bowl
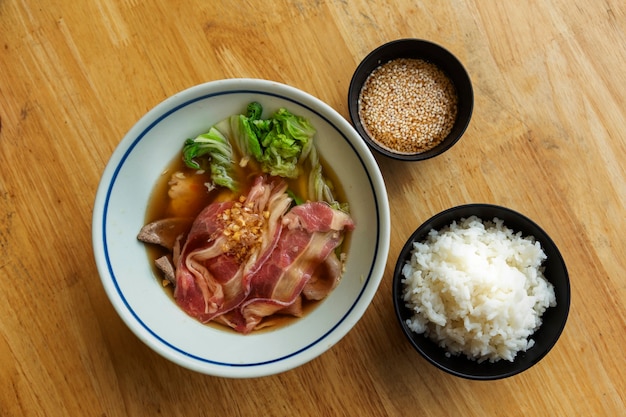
x=125, y=269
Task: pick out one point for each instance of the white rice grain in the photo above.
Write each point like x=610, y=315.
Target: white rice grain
x=477, y=288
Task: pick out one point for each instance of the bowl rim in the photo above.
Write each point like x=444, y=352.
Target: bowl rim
x=178, y=101
x=501, y=369
x=370, y=60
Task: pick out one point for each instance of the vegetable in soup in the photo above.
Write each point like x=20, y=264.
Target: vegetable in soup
x=248, y=222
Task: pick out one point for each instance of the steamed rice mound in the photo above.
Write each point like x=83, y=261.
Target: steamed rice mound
x=477, y=288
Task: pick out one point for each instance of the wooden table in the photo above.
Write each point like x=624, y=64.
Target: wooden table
x=546, y=139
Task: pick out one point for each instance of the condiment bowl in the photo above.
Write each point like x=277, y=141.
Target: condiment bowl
x=553, y=319
x=126, y=271
x=421, y=50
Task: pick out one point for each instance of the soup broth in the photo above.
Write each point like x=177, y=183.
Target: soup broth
x=161, y=206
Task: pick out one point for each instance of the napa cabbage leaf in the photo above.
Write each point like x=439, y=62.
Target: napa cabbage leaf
x=279, y=143
x=211, y=151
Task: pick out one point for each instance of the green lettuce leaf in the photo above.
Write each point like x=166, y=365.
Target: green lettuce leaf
x=285, y=139
x=211, y=151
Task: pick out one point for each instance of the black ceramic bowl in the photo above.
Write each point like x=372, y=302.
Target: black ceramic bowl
x=553, y=319
x=416, y=49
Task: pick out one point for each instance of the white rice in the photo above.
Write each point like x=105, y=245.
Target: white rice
x=477, y=288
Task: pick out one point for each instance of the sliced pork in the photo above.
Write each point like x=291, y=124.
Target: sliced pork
x=311, y=232
x=217, y=258
x=324, y=279
x=243, y=261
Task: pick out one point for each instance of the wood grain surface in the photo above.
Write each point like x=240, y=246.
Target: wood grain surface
x=547, y=139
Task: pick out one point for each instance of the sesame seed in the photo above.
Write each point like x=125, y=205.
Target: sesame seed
x=408, y=105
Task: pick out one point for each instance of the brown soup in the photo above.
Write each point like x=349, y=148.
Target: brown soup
x=161, y=206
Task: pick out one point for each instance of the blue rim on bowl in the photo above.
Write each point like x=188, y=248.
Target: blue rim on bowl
x=122, y=261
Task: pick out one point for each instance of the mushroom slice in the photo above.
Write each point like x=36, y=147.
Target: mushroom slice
x=165, y=265
x=164, y=232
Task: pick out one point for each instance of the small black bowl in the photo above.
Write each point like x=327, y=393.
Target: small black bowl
x=554, y=318
x=416, y=49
